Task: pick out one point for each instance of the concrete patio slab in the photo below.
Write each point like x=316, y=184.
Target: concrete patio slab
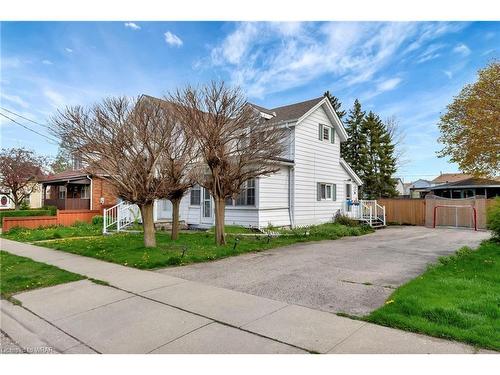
x=373, y=339
x=134, y=325
x=61, y=301
x=216, y=338
x=216, y=303
x=306, y=328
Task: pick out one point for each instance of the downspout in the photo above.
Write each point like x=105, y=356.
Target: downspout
x=91, y=192
x=290, y=198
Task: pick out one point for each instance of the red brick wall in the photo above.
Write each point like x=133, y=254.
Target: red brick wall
x=102, y=188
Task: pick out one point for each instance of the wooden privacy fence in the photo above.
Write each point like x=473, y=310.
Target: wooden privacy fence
x=451, y=212
x=404, y=211
x=66, y=218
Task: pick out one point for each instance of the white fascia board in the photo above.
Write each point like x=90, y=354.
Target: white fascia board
x=330, y=113
x=350, y=172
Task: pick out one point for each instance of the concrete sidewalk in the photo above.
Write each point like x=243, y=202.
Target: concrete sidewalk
x=148, y=312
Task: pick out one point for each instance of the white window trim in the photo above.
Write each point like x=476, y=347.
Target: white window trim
x=330, y=197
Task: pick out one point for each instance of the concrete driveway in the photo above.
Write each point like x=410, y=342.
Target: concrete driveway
x=354, y=275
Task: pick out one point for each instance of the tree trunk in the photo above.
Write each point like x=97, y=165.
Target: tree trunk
x=220, y=206
x=175, y=219
x=148, y=224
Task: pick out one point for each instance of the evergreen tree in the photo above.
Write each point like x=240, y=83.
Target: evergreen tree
x=377, y=161
x=350, y=150
x=336, y=104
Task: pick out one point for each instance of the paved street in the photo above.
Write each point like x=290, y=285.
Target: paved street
x=354, y=275
x=150, y=312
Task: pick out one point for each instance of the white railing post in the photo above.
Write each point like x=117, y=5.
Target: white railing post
x=371, y=211
x=104, y=213
x=383, y=212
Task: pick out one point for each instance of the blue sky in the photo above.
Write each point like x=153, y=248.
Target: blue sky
x=407, y=70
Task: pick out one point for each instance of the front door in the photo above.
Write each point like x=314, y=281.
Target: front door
x=164, y=209
x=206, y=208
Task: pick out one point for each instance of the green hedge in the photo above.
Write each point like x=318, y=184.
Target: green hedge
x=24, y=213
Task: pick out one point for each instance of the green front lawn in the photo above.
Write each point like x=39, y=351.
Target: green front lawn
x=191, y=247
x=50, y=233
x=18, y=274
x=458, y=299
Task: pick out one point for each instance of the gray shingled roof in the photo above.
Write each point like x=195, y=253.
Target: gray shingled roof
x=291, y=111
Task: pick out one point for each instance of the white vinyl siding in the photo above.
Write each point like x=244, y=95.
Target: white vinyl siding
x=316, y=162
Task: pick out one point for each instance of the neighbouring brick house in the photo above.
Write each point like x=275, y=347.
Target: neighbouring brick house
x=77, y=190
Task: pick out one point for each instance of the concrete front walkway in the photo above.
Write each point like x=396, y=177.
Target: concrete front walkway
x=149, y=312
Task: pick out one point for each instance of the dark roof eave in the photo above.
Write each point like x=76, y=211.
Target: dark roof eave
x=444, y=187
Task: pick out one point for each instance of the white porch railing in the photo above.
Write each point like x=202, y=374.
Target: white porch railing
x=119, y=217
x=366, y=210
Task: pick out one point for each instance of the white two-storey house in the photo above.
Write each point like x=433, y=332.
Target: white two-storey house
x=311, y=187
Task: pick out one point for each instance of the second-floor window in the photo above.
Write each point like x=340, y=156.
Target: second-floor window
x=326, y=133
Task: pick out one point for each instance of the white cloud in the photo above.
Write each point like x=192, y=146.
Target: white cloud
x=172, y=39
x=56, y=100
x=47, y=62
x=430, y=53
x=14, y=99
x=69, y=50
x=448, y=73
x=462, y=49
x=382, y=86
x=132, y=25
x=270, y=57
x=388, y=85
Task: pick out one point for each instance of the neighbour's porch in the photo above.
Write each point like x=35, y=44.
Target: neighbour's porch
x=67, y=196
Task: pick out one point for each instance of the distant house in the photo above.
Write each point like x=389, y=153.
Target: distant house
x=420, y=188
x=399, y=186
x=33, y=200
x=468, y=188
x=447, y=178
x=77, y=190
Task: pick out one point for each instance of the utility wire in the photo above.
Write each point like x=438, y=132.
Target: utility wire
x=31, y=130
x=25, y=118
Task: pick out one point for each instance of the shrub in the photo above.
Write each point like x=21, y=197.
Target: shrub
x=25, y=205
x=24, y=213
x=347, y=221
x=52, y=209
x=493, y=218
x=97, y=220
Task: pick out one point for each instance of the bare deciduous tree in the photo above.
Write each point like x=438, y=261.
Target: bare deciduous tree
x=235, y=144
x=178, y=162
x=398, y=137
x=19, y=169
x=124, y=140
